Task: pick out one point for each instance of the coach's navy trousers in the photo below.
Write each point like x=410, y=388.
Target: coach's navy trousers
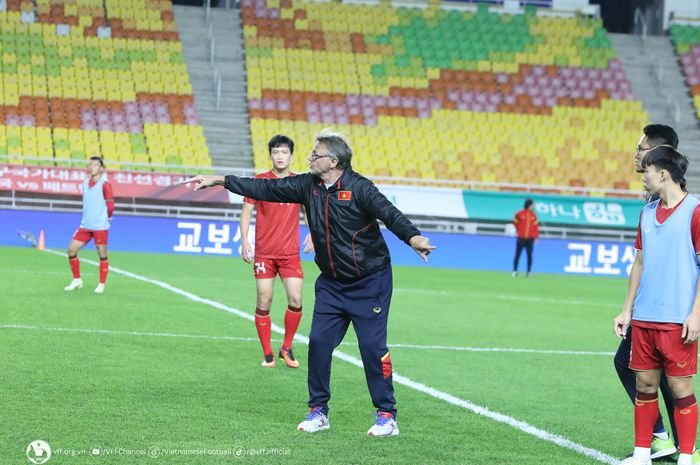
x=365, y=303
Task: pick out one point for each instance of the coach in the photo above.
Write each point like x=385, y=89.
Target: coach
x=355, y=284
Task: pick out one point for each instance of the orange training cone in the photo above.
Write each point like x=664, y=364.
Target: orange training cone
x=41, y=245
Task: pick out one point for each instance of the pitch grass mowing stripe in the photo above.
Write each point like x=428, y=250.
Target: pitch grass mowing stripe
x=253, y=339
x=496, y=416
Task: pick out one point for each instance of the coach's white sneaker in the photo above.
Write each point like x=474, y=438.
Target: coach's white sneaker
x=75, y=284
x=100, y=288
x=385, y=425
x=315, y=421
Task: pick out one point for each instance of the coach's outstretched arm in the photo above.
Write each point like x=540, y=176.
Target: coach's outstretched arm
x=381, y=208
x=289, y=189
x=202, y=182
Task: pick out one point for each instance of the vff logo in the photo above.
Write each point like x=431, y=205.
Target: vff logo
x=38, y=452
x=259, y=267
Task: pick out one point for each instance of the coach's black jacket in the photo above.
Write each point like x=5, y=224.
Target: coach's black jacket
x=342, y=219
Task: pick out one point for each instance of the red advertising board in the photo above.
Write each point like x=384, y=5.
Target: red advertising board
x=125, y=184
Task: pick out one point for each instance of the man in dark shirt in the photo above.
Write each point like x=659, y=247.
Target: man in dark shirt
x=355, y=284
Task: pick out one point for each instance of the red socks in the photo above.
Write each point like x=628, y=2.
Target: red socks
x=646, y=411
x=104, y=267
x=74, y=263
x=263, y=324
x=686, y=416
x=291, y=323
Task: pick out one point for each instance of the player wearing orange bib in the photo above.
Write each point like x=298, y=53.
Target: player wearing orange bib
x=276, y=253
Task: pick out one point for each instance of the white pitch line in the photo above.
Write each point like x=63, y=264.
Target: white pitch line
x=588, y=303
x=131, y=333
x=35, y=272
x=502, y=349
x=399, y=379
x=253, y=339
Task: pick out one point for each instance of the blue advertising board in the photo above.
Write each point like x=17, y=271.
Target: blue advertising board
x=201, y=237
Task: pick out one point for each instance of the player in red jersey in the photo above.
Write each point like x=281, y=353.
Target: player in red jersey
x=98, y=205
x=276, y=252
x=528, y=228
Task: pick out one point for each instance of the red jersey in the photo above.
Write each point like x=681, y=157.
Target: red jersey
x=276, y=226
x=526, y=224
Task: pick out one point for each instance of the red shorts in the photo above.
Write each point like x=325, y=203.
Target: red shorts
x=287, y=267
x=84, y=235
x=653, y=349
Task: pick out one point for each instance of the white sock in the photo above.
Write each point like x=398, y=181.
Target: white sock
x=685, y=459
x=663, y=435
x=642, y=454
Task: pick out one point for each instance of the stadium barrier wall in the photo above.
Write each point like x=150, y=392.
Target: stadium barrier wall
x=216, y=238
x=431, y=201
x=559, y=209
x=133, y=184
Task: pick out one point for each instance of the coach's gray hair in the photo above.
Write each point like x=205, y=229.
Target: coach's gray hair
x=337, y=146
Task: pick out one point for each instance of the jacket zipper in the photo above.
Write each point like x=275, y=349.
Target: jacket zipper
x=328, y=239
x=357, y=268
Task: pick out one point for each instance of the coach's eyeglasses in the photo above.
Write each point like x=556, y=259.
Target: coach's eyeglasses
x=314, y=155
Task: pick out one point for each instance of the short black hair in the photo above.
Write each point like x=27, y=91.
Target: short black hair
x=102, y=162
x=660, y=134
x=528, y=202
x=669, y=159
x=280, y=140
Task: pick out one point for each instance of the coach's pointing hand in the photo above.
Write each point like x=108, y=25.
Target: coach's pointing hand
x=422, y=246
x=202, y=182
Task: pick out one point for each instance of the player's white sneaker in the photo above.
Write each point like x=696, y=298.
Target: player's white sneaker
x=633, y=461
x=315, y=421
x=75, y=284
x=385, y=425
x=100, y=288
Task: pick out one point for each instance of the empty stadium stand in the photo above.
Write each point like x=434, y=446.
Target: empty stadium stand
x=438, y=94
x=85, y=77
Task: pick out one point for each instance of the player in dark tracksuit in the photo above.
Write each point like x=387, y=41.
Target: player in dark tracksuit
x=654, y=135
x=355, y=284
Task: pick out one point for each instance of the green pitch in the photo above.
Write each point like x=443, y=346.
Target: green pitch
x=132, y=387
